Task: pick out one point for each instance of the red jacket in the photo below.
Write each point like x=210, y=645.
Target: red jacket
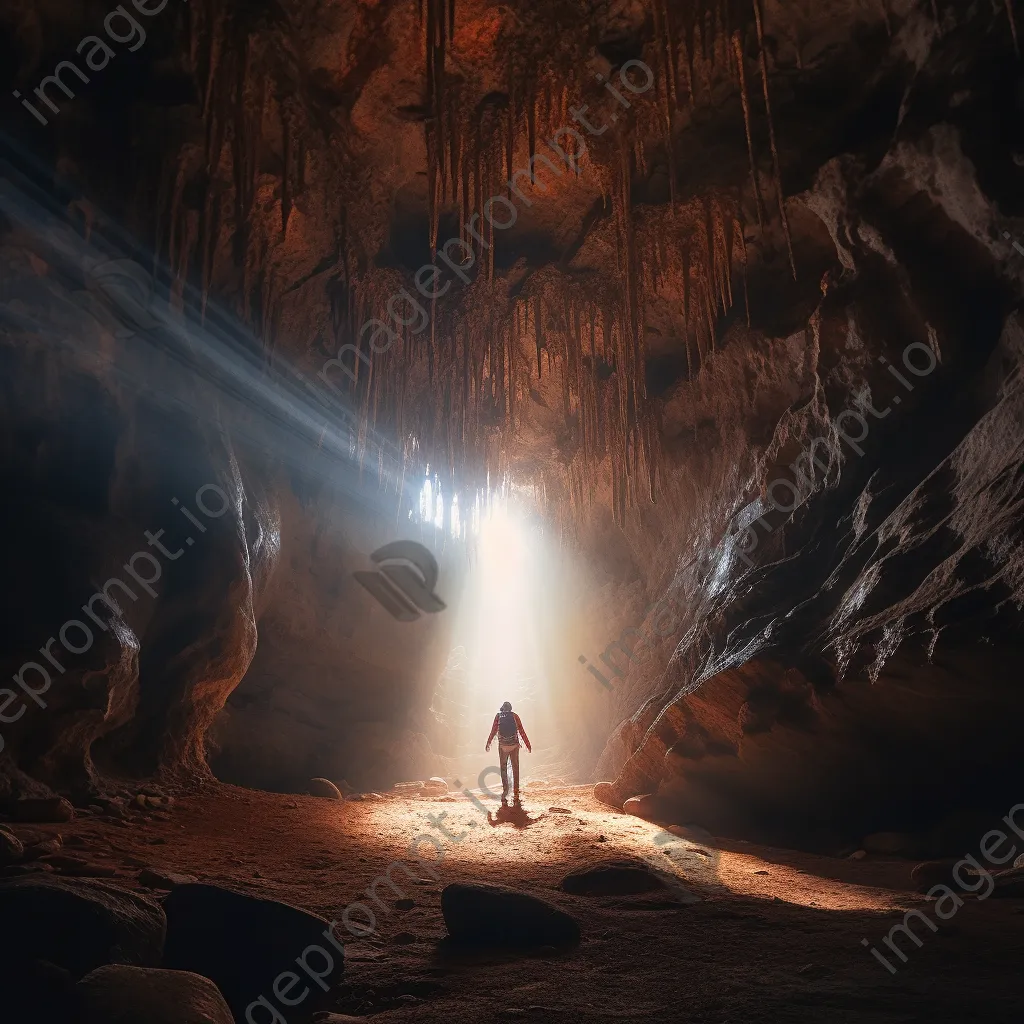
x=519, y=729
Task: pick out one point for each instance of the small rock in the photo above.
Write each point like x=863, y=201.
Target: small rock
x=11, y=848
x=336, y=1018
x=642, y=806
x=602, y=839
x=404, y=938
x=157, y=878
x=157, y=841
x=135, y=995
x=491, y=915
x=405, y=904
x=407, y=787
x=612, y=878
x=43, y=848
x=324, y=788
x=858, y=855
x=931, y=873
x=1019, y=862
x=291, y=805
x=559, y=810
x=77, y=867
x=434, y=787
x=41, y=810
x=762, y=872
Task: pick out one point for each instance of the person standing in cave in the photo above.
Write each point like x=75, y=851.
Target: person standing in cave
x=508, y=728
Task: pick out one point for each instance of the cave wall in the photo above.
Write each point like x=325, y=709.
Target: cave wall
x=682, y=317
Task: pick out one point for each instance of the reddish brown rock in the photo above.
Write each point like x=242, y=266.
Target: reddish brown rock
x=137, y=995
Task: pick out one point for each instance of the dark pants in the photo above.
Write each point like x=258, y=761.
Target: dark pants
x=506, y=754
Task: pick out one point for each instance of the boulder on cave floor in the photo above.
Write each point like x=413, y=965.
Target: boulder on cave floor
x=643, y=806
x=41, y=810
x=613, y=878
x=78, y=924
x=38, y=992
x=606, y=793
x=137, y=995
x=492, y=915
x=242, y=943
x=324, y=788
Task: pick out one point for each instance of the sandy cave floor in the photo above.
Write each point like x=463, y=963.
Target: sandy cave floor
x=776, y=935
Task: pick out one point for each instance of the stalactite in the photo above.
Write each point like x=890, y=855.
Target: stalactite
x=531, y=130
x=666, y=97
x=1013, y=26
x=685, y=63
x=740, y=244
x=537, y=312
x=771, y=135
x=745, y=101
x=725, y=227
x=286, y=194
x=721, y=41
x=510, y=129
x=885, y=16
x=685, y=276
x=453, y=142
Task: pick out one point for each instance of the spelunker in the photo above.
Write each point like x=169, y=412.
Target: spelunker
x=508, y=728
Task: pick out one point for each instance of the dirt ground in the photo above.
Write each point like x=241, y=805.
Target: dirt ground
x=775, y=936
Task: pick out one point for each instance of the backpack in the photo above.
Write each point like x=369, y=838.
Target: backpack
x=507, y=729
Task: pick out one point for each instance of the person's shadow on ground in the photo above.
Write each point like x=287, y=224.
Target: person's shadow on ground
x=512, y=814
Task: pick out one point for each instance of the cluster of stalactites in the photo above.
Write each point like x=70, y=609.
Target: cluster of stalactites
x=480, y=365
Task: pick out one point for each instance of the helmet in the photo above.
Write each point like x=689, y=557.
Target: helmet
x=507, y=706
